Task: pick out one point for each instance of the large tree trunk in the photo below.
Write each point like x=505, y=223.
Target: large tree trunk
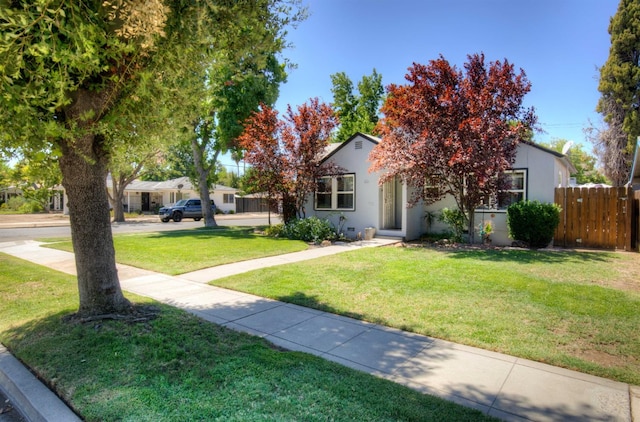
x=202, y=169
x=84, y=172
x=289, y=209
x=84, y=181
x=118, y=194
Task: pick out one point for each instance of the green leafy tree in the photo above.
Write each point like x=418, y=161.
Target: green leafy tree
x=229, y=178
x=235, y=80
x=610, y=143
x=36, y=177
x=126, y=164
x=5, y=178
x=176, y=161
x=356, y=112
x=585, y=164
x=138, y=140
x=69, y=71
x=620, y=89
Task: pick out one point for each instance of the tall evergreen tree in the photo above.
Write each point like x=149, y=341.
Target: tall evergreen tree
x=620, y=89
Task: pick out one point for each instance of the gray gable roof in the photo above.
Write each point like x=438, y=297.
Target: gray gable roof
x=174, y=184
x=332, y=149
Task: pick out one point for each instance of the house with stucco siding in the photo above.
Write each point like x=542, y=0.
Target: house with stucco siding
x=355, y=201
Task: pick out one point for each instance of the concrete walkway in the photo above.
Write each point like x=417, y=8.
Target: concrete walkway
x=502, y=386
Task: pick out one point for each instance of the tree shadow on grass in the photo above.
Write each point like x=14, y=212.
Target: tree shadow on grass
x=551, y=256
x=206, y=233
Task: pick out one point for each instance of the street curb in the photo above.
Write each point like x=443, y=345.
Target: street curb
x=34, y=400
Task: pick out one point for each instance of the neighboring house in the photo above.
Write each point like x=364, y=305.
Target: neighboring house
x=148, y=197
x=355, y=201
x=55, y=200
x=8, y=193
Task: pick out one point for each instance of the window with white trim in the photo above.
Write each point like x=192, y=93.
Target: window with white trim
x=518, y=190
x=227, y=198
x=516, y=193
x=335, y=193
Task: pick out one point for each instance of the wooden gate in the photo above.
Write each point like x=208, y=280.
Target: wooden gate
x=597, y=218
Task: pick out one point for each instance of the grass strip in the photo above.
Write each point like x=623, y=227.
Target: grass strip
x=178, y=367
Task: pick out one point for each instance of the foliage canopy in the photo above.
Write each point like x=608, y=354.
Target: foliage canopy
x=452, y=133
x=287, y=154
x=72, y=74
x=357, y=112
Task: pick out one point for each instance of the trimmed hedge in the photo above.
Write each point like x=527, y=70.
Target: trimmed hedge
x=533, y=222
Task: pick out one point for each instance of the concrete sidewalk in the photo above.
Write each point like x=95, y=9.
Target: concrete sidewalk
x=502, y=386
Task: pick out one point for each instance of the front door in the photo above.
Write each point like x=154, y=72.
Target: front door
x=145, y=201
x=389, y=204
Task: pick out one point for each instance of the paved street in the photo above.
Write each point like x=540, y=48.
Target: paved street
x=16, y=227
x=8, y=413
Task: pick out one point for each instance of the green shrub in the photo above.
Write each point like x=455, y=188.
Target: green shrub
x=456, y=220
x=533, y=222
x=22, y=205
x=277, y=230
x=312, y=229
x=15, y=202
x=30, y=207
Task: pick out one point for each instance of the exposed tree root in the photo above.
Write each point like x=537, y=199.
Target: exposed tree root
x=136, y=314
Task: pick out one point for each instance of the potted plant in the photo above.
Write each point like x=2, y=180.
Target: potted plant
x=485, y=232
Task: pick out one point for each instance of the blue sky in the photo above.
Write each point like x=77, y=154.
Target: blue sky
x=560, y=44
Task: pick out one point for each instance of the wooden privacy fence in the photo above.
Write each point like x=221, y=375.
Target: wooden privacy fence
x=252, y=204
x=605, y=218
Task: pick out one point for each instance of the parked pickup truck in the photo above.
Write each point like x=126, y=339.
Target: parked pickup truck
x=184, y=208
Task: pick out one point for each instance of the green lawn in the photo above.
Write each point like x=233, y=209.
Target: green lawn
x=579, y=310
x=178, y=252
x=178, y=367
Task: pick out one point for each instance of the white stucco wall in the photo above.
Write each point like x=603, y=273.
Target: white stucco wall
x=367, y=192
x=545, y=172
x=218, y=198
x=368, y=197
